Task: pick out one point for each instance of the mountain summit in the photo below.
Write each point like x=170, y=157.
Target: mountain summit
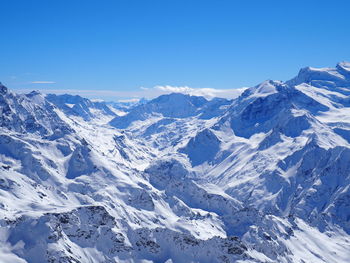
x=264, y=177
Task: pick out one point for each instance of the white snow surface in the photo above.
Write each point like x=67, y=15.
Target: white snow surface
x=264, y=177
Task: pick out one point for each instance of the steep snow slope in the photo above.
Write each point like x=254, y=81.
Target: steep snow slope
x=277, y=152
x=261, y=178
x=78, y=106
x=29, y=113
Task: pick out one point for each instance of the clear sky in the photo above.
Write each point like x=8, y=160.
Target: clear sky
x=122, y=45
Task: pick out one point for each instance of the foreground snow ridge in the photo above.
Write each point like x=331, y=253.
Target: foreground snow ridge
x=264, y=177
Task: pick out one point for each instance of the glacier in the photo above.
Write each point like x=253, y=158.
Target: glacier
x=262, y=177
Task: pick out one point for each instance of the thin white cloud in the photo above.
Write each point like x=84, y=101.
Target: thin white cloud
x=42, y=82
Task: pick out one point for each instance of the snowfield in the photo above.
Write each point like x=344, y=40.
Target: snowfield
x=264, y=177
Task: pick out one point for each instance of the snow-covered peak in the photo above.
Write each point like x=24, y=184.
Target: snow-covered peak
x=329, y=77
x=261, y=178
x=30, y=113
x=343, y=67
x=79, y=106
x=177, y=104
x=266, y=88
x=36, y=97
x=174, y=105
x=3, y=89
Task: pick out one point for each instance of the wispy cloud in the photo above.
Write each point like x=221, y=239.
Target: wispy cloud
x=42, y=82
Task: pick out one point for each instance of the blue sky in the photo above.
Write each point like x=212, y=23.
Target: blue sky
x=119, y=46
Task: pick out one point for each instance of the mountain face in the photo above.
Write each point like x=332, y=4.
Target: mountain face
x=264, y=177
x=175, y=105
x=78, y=106
x=29, y=113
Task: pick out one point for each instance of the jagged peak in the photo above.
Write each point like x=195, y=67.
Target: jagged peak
x=33, y=93
x=3, y=89
x=343, y=67
x=69, y=98
x=323, y=76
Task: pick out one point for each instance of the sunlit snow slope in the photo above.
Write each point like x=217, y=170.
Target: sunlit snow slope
x=264, y=177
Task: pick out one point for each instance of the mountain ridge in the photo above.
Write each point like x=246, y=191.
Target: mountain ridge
x=264, y=177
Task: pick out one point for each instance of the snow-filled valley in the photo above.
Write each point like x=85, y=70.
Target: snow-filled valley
x=264, y=177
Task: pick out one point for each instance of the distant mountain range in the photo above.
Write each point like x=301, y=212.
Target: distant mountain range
x=264, y=177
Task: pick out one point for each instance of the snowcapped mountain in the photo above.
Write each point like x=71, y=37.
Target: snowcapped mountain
x=175, y=105
x=29, y=113
x=127, y=104
x=78, y=106
x=264, y=177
